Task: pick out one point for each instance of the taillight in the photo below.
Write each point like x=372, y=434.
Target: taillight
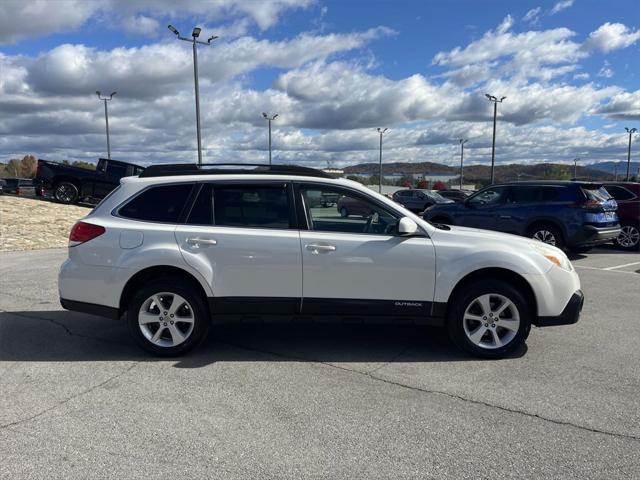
x=588, y=205
x=83, y=232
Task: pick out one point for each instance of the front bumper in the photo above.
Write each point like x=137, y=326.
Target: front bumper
x=590, y=235
x=569, y=315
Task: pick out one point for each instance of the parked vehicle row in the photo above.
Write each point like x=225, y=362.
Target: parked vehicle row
x=180, y=246
x=22, y=187
x=571, y=215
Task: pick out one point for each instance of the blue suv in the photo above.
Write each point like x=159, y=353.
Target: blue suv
x=570, y=215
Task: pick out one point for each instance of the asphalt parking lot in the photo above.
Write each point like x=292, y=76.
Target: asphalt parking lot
x=79, y=400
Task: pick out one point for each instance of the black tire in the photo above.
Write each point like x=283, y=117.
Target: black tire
x=467, y=298
x=197, y=311
x=547, y=233
x=344, y=213
x=65, y=192
x=629, y=238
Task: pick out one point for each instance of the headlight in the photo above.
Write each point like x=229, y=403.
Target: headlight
x=552, y=254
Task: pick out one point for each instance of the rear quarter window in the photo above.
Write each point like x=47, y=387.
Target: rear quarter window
x=162, y=203
x=599, y=194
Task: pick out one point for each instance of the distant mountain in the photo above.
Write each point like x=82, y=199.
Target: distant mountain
x=481, y=173
x=610, y=167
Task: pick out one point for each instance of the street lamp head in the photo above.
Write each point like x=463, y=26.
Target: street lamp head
x=501, y=99
x=112, y=94
x=265, y=115
x=98, y=93
x=211, y=38
x=463, y=141
x=631, y=130
x=196, y=32
x=174, y=30
x=274, y=117
x=490, y=97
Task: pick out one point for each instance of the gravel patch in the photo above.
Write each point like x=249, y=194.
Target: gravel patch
x=32, y=224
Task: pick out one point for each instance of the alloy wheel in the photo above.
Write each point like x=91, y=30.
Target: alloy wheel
x=166, y=319
x=491, y=321
x=629, y=236
x=545, y=236
x=65, y=192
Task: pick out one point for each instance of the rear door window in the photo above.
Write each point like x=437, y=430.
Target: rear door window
x=162, y=203
x=523, y=194
x=620, y=193
x=254, y=206
x=490, y=196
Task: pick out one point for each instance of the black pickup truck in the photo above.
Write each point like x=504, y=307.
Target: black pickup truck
x=70, y=184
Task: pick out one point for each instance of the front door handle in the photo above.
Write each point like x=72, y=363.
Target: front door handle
x=317, y=248
x=201, y=242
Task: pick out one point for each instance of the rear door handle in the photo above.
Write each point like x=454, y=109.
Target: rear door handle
x=320, y=248
x=201, y=242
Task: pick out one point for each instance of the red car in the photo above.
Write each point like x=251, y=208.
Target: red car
x=351, y=206
x=627, y=195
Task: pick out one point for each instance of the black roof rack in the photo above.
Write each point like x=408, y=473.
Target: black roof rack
x=170, y=169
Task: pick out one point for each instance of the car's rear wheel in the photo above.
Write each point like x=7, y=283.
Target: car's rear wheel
x=629, y=238
x=65, y=192
x=489, y=318
x=167, y=319
x=548, y=234
x=344, y=213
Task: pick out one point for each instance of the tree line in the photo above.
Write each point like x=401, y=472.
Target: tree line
x=26, y=167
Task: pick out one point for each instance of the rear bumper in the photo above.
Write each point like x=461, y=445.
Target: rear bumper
x=569, y=315
x=589, y=235
x=91, y=308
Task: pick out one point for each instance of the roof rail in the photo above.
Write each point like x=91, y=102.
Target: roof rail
x=171, y=169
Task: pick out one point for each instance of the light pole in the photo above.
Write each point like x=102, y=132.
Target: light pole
x=106, y=117
x=195, y=34
x=381, y=132
x=630, y=131
x=575, y=168
x=269, y=119
x=462, y=142
x=494, y=99
x=615, y=171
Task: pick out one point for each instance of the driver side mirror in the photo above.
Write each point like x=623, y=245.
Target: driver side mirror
x=406, y=226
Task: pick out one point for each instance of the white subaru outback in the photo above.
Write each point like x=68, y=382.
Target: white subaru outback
x=181, y=246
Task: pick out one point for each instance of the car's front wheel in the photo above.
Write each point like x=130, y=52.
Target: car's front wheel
x=167, y=319
x=489, y=318
x=548, y=234
x=629, y=238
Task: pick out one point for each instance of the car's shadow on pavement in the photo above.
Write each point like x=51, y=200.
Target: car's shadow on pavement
x=61, y=336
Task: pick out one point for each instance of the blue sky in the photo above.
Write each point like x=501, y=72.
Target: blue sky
x=333, y=70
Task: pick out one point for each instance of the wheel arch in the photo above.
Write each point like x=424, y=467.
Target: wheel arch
x=494, y=273
x=65, y=178
x=155, y=273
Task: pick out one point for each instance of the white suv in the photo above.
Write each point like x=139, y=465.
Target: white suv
x=181, y=246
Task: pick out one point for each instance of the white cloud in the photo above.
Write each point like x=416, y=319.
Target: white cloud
x=20, y=19
x=612, y=36
x=141, y=25
x=605, y=72
x=532, y=16
x=561, y=5
x=581, y=76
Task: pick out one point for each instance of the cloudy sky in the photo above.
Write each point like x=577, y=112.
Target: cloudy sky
x=332, y=70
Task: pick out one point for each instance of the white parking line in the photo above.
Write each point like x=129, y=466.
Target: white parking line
x=584, y=267
x=622, y=266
